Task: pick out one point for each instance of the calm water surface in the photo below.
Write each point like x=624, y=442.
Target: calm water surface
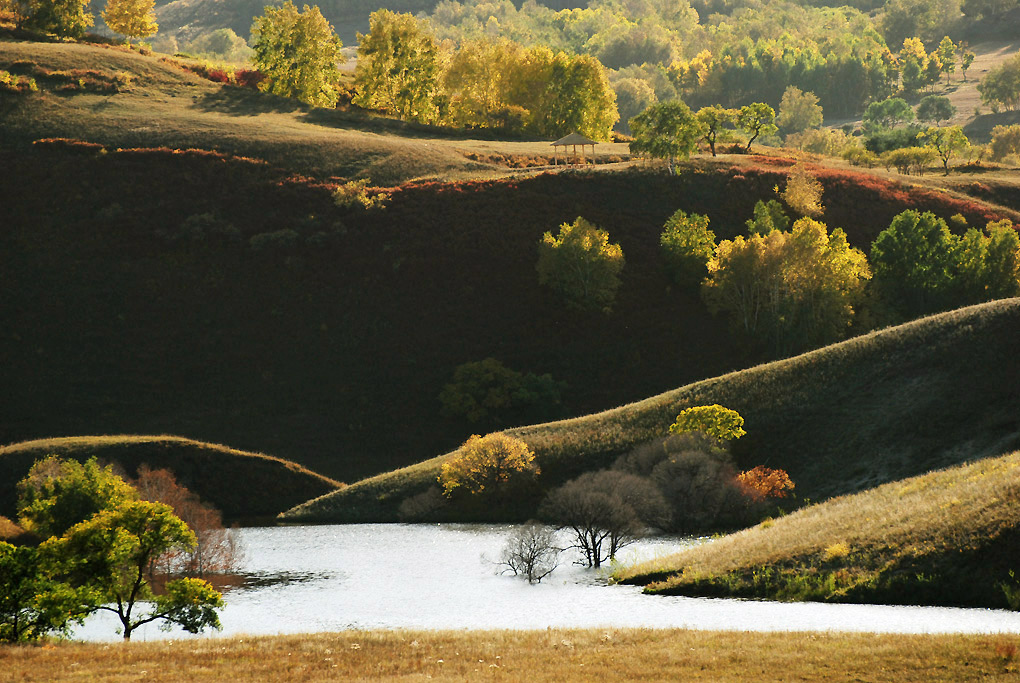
x=399, y=576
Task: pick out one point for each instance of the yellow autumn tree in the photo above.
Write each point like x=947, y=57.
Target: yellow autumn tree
x=131, y=18
x=485, y=462
x=715, y=420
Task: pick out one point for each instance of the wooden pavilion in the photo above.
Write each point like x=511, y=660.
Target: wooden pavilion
x=573, y=140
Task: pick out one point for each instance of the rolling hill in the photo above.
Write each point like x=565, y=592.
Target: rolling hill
x=174, y=263
x=246, y=487
x=944, y=538
x=891, y=404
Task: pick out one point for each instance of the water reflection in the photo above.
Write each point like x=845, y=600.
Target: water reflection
x=327, y=578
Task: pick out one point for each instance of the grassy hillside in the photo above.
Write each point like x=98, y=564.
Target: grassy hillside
x=895, y=403
x=539, y=656
x=950, y=537
x=185, y=289
x=156, y=104
x=245, y=487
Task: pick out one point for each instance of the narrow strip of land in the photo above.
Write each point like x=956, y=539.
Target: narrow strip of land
x=553, y=655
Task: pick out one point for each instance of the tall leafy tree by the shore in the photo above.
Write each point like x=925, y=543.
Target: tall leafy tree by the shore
x=131, y=18
x=298, y=52
x=110, y=554
x=399, y=67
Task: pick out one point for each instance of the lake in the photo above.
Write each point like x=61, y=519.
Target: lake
x=304, y=579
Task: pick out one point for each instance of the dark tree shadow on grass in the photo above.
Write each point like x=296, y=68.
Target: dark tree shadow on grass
x=246, y=102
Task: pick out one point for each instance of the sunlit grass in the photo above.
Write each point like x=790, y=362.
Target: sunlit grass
x=537, y=656
x=947, y=537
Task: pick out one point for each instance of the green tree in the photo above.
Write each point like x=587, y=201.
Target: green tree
x=966, y=59
x=935, y=108
x=56, y=494
x=756, y=119
x=947, y=56
x=666, y=130
x=1000, y=88
x=398, y=67
x=633, y=96
x=798, y=111
x=487, y=463
x=581, y=264
x=946, y=142
x=717, y=123
x=579, y=98
x=1005, y=141
x=68, y=18
x=131, y=18
x=492, y=394
x=715, y=420
x=32, y=604
x=768, y=216
x=792, y=290
x=298, y=52
x=988, y=265
x=888, y=113
x=914, y=261
x=687, y=245
x=110, y=554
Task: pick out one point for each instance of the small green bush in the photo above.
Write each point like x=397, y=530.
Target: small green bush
x=355, y=194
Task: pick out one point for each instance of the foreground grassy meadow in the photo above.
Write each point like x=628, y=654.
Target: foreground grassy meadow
x=538, y=656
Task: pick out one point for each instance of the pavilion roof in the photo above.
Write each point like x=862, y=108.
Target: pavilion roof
x=573, y=139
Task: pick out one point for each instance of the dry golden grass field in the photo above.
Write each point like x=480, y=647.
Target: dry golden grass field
x=532, y=656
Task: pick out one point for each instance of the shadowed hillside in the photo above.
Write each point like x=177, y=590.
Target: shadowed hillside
x=891, y=404
x=245, y=487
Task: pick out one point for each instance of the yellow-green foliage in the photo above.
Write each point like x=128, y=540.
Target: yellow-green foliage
x=16, y=84
x=803, y=192
x=714, y=420
x=486, y=462
x=581, y=264
x=356, y=193
x=131, y=18
x=945, y=537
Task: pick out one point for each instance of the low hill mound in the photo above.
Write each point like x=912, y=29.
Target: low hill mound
x=891, y=404
x=950, y=537
x=245, y=487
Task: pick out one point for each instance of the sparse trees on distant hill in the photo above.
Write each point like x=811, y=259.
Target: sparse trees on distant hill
x=131, y=18
x=581, y=264
x=298, y=52
x=716, y=421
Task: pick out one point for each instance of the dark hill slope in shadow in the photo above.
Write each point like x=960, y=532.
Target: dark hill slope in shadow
x=935, y=392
